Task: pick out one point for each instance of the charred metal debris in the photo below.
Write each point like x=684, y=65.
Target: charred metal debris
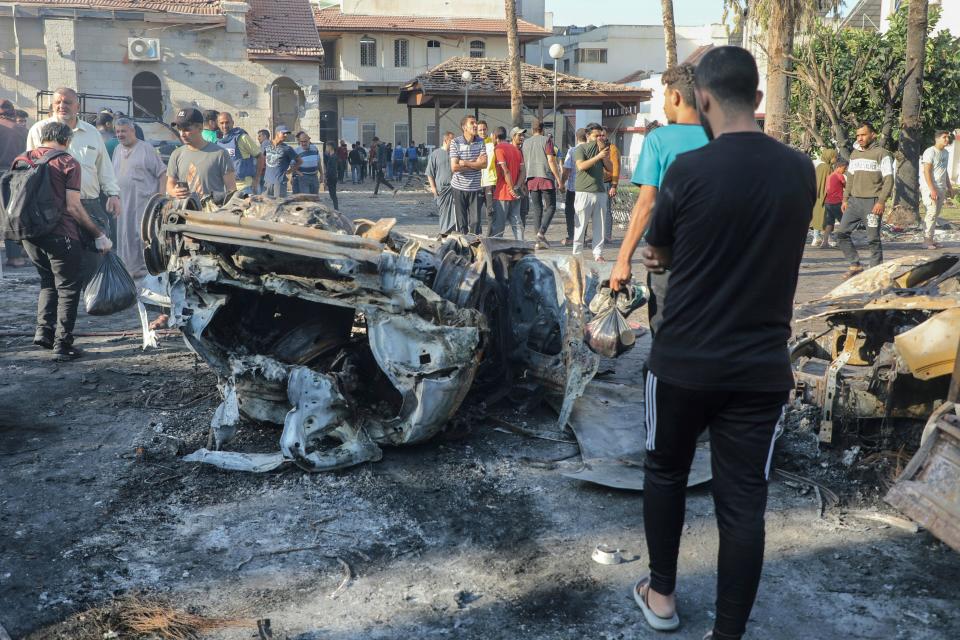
x=352, y=335
x=890, y=347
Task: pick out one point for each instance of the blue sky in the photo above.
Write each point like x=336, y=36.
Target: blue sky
x=598, y=12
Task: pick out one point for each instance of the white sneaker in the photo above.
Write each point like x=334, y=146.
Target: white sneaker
x=817, y=238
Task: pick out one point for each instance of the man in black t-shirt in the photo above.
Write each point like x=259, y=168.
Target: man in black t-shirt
x=731, y=234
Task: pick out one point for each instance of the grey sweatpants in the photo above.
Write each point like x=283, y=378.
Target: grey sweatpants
x=858, y=213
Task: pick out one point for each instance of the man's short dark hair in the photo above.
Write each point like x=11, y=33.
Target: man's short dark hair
x=465, y=119
x=680, y=78
x=537, y=125
x=56, y=132
x=264, y=132
x=940, y=132
x=501, y=133
x=868, y=125
x=20, y=113
x=104, y=119
x=480, y=122
x=210, y=115
x=730, y=74
x=581, y=134
x=840, y=163
x=449, y=134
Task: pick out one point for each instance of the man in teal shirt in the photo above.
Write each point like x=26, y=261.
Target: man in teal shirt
x=660, y=148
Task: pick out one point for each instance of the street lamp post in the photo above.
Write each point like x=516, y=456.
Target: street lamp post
x=556, y=52
x=466, y=76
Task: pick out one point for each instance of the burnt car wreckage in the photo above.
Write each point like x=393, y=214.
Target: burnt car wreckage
x=352, y=335
x=891, y=352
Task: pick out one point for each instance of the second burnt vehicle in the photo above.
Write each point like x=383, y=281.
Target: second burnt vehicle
x=352, y=335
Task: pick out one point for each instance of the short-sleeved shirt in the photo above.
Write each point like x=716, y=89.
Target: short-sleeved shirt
x=488, y=176
x=412, y=153
x=588, y=180
x=399, y=153
x=210, y=135
x=202, y=169
x=662, y=145
x=736, y=230
x=835, y=184
x=278, y=158
x=507, y=153
x=571, y=166
x=543, y=184
x=64, y=172
x=940, y=160
x=460, y=149
x=329, y=167
x=438, y=167
x=110, y=142
x=310, y=158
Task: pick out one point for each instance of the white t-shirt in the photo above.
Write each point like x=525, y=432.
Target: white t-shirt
x=939, y=160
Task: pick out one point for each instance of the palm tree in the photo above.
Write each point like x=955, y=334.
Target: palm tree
x=669, y=32
x=513, y=54
x=779, y=21
x=908, y=170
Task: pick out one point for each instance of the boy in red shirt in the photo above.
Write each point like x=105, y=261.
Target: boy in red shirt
x=836, y=181
x=506, y=195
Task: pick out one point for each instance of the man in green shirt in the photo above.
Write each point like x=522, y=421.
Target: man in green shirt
x=210, y=131
x=590, y=202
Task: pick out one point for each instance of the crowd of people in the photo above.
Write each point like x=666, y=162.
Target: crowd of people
x=723, y=208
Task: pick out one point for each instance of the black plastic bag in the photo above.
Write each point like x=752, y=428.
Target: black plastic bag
x=111, y=289
x=608, y=334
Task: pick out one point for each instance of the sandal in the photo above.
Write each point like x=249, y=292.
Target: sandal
x=656, y=622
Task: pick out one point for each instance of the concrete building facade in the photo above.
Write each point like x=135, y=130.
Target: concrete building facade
x=210, y=55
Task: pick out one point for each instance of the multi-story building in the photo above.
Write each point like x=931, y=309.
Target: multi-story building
x=259, y=59
x=374, y=47
x=875, y=14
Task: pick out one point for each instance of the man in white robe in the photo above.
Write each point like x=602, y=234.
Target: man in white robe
x=140, y=174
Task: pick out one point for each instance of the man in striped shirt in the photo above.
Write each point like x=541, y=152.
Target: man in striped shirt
x=468, y=157
x=308, y=179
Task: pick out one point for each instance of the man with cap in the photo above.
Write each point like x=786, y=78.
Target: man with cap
x=99, y=191
x=199, y=166
x=506, y=194
x=279, y=156
x=12, y=141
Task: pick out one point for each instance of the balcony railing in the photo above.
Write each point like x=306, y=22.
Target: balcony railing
x=329, y=73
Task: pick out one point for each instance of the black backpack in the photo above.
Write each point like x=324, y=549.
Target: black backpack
x=26, y=195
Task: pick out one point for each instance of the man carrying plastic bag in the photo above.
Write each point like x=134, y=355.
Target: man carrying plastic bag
x=42, y=208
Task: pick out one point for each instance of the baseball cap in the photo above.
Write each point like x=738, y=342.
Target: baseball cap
x=517, y=130
x=282, y=129
x=592, y=127
x=187, y=117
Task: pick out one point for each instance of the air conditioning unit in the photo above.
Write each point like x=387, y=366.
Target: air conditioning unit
x=143, y=49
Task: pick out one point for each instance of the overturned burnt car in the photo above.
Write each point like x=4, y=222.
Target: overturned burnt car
x=889, y=346
x=352, y=335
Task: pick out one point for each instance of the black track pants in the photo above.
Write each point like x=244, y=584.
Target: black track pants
x=741, y=444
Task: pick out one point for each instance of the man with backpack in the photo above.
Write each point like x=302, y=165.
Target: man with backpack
x=243, y=152
x=41, y=200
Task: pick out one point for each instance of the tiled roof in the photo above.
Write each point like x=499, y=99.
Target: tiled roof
x=331, y=20
x=193, y=7
x=492, y=77
x=282, y=28
x=636, y=76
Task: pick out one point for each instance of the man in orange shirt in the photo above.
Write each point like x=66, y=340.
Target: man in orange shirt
x=506, y=194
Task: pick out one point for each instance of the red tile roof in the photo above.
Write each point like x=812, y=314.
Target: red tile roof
x=331, y=20
x=282, y=29
x=193, y=7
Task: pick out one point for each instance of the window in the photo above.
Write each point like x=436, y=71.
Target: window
x=592, y=55
x=401, y=134
x=401, y=53
x=433, y=53
x=432, y=139
x=368, y=52
x=548, y=66
x=367, y=131
x=566, y=65
x=478, y=49
x=147, y=96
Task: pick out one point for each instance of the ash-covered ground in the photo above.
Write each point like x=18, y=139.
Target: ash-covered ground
x=472, y=535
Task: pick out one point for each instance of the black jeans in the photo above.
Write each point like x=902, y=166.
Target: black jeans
x=569, y=212
x=544, y=205
x=379, y=179
x=741, y=426
x=469, y=208
x=859, y=212
x=332, y=190
x=60, y=263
